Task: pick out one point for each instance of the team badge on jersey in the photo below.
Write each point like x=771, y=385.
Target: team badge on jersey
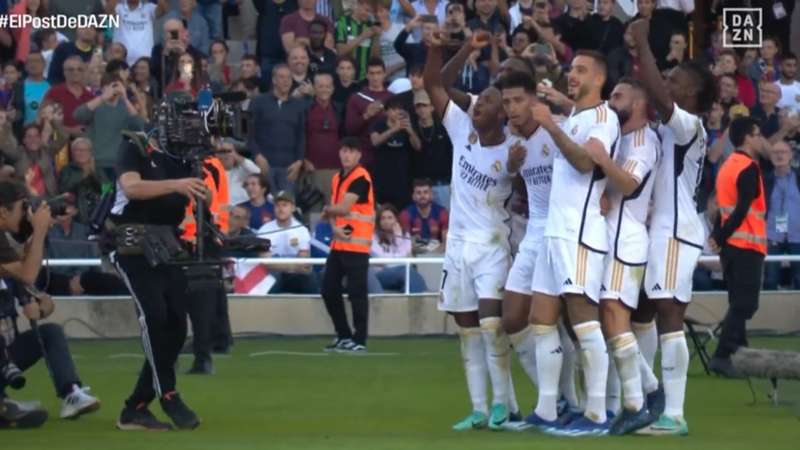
x=574, y=130
x=497, y=166
x=545, y=150
x=473, y=137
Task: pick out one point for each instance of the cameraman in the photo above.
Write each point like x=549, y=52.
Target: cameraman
x=155, y=189
x=28, y=347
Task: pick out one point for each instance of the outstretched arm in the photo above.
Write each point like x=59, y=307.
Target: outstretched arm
x=432, y=78
x=648, y=70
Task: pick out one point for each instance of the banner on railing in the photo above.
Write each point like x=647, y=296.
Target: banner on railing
x=251, y=278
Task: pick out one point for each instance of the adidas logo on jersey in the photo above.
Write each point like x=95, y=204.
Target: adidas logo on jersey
x=603, y=288
x=657, y=287
x=556, y=351
x=568, y=282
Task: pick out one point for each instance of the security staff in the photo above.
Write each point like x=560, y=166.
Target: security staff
x=352, y=217
x=206, y=302
x=153, y=191
x=740, y=236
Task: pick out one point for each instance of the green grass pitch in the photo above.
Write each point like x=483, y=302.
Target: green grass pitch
x=404, y=395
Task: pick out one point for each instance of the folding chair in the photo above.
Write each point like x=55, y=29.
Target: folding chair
x=701, y=333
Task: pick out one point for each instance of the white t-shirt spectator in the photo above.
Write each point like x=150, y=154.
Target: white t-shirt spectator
x=686, y=6
x=441, y=13
x=790, y=95
x=135, y=30
x=236, y=178
x=288, y=243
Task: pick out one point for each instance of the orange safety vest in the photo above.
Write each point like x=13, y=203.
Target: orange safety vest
x=752, y=233
x=220, y=197
x=361, y=216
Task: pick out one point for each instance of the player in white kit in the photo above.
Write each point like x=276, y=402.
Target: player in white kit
x=630, y=184
x=536, y=144
x=676, y=231
x=477, y=256
x=570, y=264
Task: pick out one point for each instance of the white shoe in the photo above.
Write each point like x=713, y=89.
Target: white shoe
x=79, y=402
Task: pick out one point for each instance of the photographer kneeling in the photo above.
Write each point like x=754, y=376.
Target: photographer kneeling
x=23, y=350
x=154, y=190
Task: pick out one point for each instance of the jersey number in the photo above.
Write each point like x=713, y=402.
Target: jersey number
x=444, y=279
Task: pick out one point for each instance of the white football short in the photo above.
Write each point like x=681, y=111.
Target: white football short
x=520, y=278
x=670, y=267
x=566, y=267
x=622, y=282
x=472, y=271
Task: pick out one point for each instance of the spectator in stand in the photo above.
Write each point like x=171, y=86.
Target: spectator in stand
x=487, y=17
x=261, y=209
x=323, y=123
x=572, y=25
x=143, y=81
x=136, y=24
x=238, y=220
x=548, y=34
x=435, y=159
x=782, y=186
x=301, y=78
x=394, y=140
x=211, y=11
x=425, y=220
x=71, y=93
x=345, y=83
x=34, y=158
x=605, y=29
x=728, y=92
x=105, y=117
x=8, y=146
x=623, y=61
x=519, y=10
x=237, y=169
x=455, y=25
x=358, y=38
x=11, y=74
x=82, y=179
x=715, y=123
x=289, y=239
x=117, y=52
x=768, y=64
x=277, y=135
x=268, y=25
x=391, y=241
x=389, y=32
x=136, y=97
x=196, y=25
x=321, y=58
x=46, y=41
x=521, y=38
x=22, y=36
x=83, y=47
x=165, y=55
x=366, y=108
x=29, y=94
x=728, y=64
x=790, y=87
x=415, y=54
x=436, y=8
x=296, y=27
x=187, y=77
x=678, y=47
x=219, y=71
x=249, y=70
x=766, y=111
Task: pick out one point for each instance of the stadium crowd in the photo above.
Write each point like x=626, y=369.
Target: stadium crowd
x=322, y=70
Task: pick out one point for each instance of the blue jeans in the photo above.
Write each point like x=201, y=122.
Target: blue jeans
x=212, y=12
x=394, y=278
x=772, y=271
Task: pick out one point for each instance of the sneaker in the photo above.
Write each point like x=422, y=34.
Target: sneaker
x=666, y=426
x=358, y=348
x=337, y=344
x=580, y=427
x=656, y=401
x=201, y=366
x=569, y=416
x=498, y=416
x=79, y=402
x=14, y=414
x=630, y=421
x=139, y=418
x=475, y=421
x=180, y=414
x=542, y=424
x=345, y=346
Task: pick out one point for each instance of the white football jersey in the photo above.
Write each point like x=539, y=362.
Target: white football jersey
x=627, y=215
x=575, y=197
x=480, y=186
x=537, y=171
x=683, y=144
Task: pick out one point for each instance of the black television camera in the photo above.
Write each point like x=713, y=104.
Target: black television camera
x=10, y=374
x=183, y=125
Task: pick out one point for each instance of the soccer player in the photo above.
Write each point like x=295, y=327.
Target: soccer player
x=477, y=257
x=676, y=232
x=519, y=95
x=630, y=174
x=570, y=265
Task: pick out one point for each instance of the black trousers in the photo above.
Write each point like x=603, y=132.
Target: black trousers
x=26, y=351
x=208, y=312
x=353, y=266
x=742, y=271
x=161, y=302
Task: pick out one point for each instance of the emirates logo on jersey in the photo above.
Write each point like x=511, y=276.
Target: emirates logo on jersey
x=574, y=130
x=473, y=137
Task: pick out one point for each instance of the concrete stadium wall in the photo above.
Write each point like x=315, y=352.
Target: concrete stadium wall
x=389, y=315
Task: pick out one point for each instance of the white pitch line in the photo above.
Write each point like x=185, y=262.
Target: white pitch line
x=288, y=353
x=126, y=355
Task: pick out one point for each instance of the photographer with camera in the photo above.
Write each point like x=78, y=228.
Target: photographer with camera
x=154, y=189
x=23, y=350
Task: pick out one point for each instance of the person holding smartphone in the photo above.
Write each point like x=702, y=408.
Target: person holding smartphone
x=394, y=140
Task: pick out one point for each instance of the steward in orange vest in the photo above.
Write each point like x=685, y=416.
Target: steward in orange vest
x=216, y=180
x=352, y=216
x=740, y=236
